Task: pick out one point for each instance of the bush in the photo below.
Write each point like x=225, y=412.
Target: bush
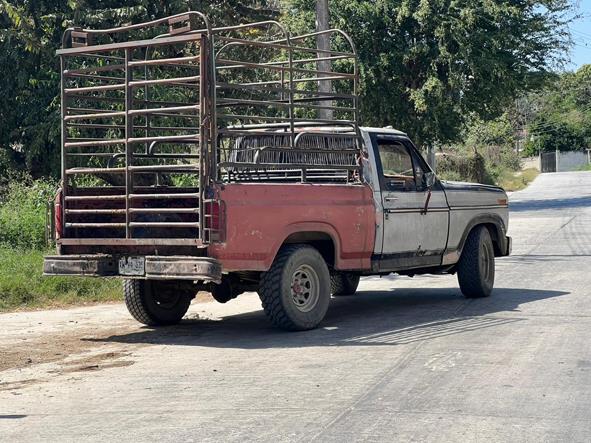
x=23, y=204
x=464, y=168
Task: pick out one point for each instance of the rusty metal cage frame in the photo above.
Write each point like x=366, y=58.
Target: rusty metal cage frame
x=194, y=28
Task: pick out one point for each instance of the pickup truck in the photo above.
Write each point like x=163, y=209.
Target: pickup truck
x=222, y=189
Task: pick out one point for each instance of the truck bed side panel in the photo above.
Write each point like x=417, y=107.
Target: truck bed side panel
x=260, y=217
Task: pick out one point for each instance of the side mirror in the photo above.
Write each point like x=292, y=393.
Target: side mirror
x=429, y=180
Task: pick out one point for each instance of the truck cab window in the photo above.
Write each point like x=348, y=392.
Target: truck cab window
x=397, y=166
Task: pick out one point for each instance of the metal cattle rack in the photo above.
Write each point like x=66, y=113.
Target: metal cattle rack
x=155, y=114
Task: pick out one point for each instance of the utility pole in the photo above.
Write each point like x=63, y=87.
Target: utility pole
x=323, y=43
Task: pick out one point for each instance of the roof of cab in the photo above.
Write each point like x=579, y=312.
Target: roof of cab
x=384, y=131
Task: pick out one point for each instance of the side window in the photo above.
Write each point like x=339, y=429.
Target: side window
x=397, y=166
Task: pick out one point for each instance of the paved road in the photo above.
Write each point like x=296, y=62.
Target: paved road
x=406, y=359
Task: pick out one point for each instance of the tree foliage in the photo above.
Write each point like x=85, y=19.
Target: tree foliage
x=30, y=33
x=561, y=114
x=429, y=64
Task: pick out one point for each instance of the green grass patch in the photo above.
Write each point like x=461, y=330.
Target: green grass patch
x=23, y=205
x=515, y=181
x=22, y=285
x=586, y=167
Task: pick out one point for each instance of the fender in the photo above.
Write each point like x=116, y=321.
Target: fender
x=350, y=261
x=500, y=240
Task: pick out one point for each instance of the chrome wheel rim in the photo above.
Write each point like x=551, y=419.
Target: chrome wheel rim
x=305, y=288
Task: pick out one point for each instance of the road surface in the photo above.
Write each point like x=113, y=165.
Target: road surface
x=405, y=360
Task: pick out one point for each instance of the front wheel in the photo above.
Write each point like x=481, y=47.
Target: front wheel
x=156, y=303
x=476, y=268
x=295, y=292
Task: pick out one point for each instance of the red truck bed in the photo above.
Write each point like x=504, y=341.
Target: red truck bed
x=259, y=218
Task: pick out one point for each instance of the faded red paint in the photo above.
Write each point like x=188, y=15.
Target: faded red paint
x=260, y=217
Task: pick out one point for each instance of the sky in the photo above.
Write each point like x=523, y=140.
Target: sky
x=581, y=34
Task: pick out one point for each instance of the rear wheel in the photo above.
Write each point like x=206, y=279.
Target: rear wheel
x=156, y=303
x=343, y=283
x=476, y=268
x=295, y=292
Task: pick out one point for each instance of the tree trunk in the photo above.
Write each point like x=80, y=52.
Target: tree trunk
x=323, y=42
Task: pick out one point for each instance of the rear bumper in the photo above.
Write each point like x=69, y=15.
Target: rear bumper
x=152, y=267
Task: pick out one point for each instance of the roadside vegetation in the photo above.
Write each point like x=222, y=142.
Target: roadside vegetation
x=22, y=246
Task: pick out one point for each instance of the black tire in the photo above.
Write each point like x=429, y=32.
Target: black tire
x=343, y=284
x=476, y=268
x=297, y=270
x=155, y=303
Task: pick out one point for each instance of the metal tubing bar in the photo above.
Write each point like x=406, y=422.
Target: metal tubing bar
x=287, y=166
x=166, y=156
x=225, y=102
x=164, y=210
x=95, y=88
x=164, y=224
x=165, y=138
x=95, y=211
x=243, y=42
x=164, y=168
x=99, y=56
x=94, y=197
x=315, y=79
x=165, y=61
x=333, y=108
x=93, y=154
x=236, y=64
x=80, y=171
x=96, y=225
x=163, y=196
x=177, y=81
x=163, y=110
x=253, y=117
x=77, y=144
x=64, y=134
x=128, y=135
x=93, y=116
x=149, y=24
x=136, y=44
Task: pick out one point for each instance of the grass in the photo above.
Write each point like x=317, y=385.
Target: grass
x=515, y=181
x=23, y=287
x=587, y=167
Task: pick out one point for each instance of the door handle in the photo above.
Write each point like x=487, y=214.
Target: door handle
x=391, y=199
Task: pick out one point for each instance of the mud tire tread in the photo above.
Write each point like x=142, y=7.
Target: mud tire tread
x=471, y=281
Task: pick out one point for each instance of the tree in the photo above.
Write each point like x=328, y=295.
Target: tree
x=562, y=118
x=427, y=66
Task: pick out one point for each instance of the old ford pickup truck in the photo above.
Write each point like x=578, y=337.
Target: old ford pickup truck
x=202, y=158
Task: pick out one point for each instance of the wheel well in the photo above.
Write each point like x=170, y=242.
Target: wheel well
x=494, y=235
x=323, y=242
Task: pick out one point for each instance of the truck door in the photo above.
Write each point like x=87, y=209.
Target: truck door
x=412, y=236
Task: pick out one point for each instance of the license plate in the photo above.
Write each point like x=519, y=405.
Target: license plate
x=132, y=266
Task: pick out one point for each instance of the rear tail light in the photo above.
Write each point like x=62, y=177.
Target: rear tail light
x=214, y=219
